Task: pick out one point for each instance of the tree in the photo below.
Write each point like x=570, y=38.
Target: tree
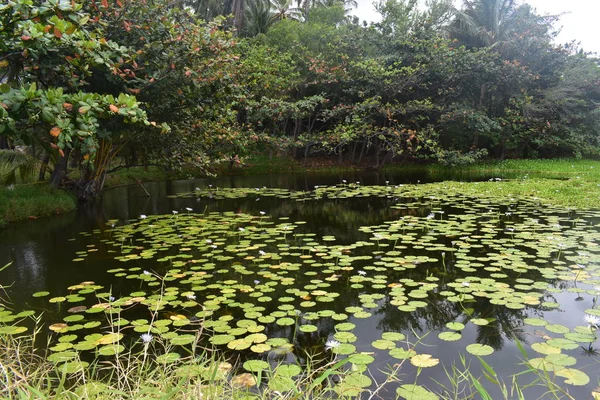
x=259, y=18
x=50, y=52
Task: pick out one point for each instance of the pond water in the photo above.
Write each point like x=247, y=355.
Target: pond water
x=388, y=270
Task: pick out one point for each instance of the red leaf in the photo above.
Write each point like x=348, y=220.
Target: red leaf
x=105, y=3
x=57, y=33
x=113, y=108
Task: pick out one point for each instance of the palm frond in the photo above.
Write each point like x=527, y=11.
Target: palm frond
x=15, y=163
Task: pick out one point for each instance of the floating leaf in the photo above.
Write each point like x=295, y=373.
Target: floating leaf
x=255, y=365
x=480, y=349
x=168, y=358
x=450, y=336
x=545, y=348
x=244, y=380
x=424, y=361
x=573, y=376
x=415, y=392
x=455, y=326
x=361, y=359
x=12, y=330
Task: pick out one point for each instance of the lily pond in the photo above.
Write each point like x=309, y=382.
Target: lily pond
x=386, y=272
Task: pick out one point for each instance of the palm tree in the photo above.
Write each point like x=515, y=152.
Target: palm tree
x=488, y=23
x=496, y=24
x=282, y=9
x=305, y=5
x=259, y=17
x=14, y=163
x=238, y=9
x=209, y=9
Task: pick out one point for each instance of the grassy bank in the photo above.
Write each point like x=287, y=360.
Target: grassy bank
x=561, y=182
x=22, y=202
x=571, y=193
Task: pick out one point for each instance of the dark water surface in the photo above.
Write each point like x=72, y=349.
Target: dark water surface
x=42, y=252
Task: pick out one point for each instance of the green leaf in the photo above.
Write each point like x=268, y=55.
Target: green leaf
x=480, y=349
x=415, y=392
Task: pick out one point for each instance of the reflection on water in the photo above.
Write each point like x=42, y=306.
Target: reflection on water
x=42, y=252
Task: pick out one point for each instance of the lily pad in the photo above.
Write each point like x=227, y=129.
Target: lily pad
x=415, y=392
x=480, y=349
x=424, y=361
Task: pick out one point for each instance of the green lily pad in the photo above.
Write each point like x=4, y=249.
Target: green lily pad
x=535, y=322
x=394, y=336
x=480, y=349
x=424, y=361
x=415, y=392
x=288, y=370
x=545, y=348
x=168, y=358
x=383, y=344
x=361, y=359
x=450, y=336
x=573, y=376
x=455, y=326
x=255, y=365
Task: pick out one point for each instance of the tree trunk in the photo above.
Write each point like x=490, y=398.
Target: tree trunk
x=480, y=108
x=362, y=151
x=353, y=156
x=297, y=128
x=238, y=14
x=306, y=151
x=4, y=145
x=43, y=168
x=60, y=169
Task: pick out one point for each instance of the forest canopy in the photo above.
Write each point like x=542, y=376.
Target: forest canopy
x=95, y=85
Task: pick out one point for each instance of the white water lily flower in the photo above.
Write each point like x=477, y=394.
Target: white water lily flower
x=466, y=284
x=191, y=296
x=262, y=212
x=146, y=338
x=143, y=216
x=241, y=229
x=592, y=320
x=256, y=281
x=430, y=216
x=262, y=253
x=332, y=344
x=189, y=209
x=175, y=212
x=208, y=241
x=362, y=273
x=146, y=272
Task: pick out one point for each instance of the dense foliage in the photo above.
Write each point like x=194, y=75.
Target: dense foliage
x=94, y=86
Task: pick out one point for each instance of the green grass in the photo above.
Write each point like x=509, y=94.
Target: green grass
x=263, y=164
x=21, y=202
x=566, y=183
x=554, y=167
x=128, y=176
